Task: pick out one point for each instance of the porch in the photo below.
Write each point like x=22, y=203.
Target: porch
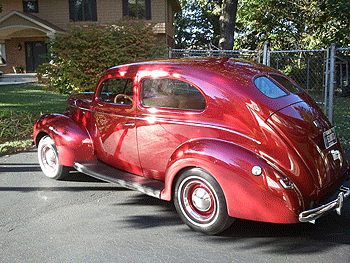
x=21, y=78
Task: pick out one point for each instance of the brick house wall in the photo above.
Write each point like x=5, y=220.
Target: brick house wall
x=56, y=12
x=16, y=56
x=107, y=11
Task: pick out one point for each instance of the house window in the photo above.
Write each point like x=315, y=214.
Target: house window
x=30, y=6
x=82, y=10
x=140, y=9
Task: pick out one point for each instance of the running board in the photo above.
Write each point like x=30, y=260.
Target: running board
x=110, y=174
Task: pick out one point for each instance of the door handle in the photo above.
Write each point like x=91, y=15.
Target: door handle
x=129, y=124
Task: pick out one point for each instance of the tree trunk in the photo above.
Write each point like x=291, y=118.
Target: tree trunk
x=227, y=24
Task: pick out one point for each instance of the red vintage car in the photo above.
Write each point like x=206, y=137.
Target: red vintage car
x=222, y=138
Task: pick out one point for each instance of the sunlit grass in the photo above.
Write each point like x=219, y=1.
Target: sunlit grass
x=20, y=106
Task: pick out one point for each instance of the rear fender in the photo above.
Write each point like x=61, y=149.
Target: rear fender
x=259, y=198
x=73, y=142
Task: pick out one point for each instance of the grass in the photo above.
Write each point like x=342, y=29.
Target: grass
x=341, y=117
x=341, y=120
x=20, y=106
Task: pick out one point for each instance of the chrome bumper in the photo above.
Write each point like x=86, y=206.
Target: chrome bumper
x=337, y=204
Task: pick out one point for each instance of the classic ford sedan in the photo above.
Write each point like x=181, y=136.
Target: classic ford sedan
x=222, y=138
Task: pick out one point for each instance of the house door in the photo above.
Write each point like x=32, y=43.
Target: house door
x=34, y=54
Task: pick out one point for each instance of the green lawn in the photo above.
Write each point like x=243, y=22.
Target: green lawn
x=341, y=119
x=20, y=106
x=341, y=116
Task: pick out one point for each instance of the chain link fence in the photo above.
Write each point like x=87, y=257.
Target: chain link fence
x=313, y=70
x=341, y=99
x=251, y=55
x=306, y=67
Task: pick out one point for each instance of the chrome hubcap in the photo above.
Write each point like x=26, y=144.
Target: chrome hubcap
x=201, y=199
x=198, y=201
x=49, y=158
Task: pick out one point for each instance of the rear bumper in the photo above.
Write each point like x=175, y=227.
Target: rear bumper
x=337, y=204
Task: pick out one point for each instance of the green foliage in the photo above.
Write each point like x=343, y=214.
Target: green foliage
x=14, y=146
x=193, y=28
x=303, y=24
x=79, y=59
x=197, y=26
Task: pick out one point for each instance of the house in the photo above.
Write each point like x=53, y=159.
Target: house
x=26, y=25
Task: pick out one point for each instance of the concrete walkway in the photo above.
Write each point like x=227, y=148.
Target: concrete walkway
x=21, y=78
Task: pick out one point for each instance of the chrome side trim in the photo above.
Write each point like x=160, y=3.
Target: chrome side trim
x=182, y=123
x=80, y=108
x=337, y=204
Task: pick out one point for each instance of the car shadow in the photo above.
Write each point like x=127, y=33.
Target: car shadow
x=75, y=176
x=284, y=239
x=166, y=217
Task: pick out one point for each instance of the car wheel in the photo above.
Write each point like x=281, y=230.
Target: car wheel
x=200, y=202
x=48, y=159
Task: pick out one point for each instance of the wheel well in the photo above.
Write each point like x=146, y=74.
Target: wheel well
x=39, y=137
x=178, y=174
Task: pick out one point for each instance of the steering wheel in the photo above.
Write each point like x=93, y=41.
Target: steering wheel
x=124, y=97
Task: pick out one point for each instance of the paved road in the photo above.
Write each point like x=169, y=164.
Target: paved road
x=85, y=220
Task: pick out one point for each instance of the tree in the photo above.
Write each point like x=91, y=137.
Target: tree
x=227, y=24
x=206, y=22
x=79, y=59
x=193, y=27
x=288, y=24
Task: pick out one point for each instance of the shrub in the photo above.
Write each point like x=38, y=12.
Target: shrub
x=78, y=60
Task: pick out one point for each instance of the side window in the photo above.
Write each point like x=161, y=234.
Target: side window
x=171, y=93
x=287, y=84
x=269, y=88
x=117, y=90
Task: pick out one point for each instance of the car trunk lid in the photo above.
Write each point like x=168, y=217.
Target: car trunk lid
x=306, y=129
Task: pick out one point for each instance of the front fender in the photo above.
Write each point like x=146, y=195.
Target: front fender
x=259, y=198
x=73, y=142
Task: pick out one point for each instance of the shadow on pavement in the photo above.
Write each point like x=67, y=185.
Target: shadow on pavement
x=284, y=239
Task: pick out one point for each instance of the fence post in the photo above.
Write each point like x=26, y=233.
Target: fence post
x=331, y=82
x=170, y=52
x=265, y=54
x=326, y=83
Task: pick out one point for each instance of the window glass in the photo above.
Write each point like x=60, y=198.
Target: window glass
x=30, y=6
x=117, y=90
x=82, y=10
x=286, y=83
x=269, y=88
x=171, y=93
x=137, y=9
x=140, y=9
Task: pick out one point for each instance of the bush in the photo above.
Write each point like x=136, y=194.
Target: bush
x=78, y=60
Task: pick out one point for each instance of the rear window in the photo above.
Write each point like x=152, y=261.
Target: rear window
x=269, y=88
x=286, y=83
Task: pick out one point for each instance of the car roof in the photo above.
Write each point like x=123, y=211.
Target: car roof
x=223, y=66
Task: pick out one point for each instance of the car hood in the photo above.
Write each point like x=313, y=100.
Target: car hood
x=303, y=126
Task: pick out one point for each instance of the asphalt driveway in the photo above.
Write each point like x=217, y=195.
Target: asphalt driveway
x=85, y=220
